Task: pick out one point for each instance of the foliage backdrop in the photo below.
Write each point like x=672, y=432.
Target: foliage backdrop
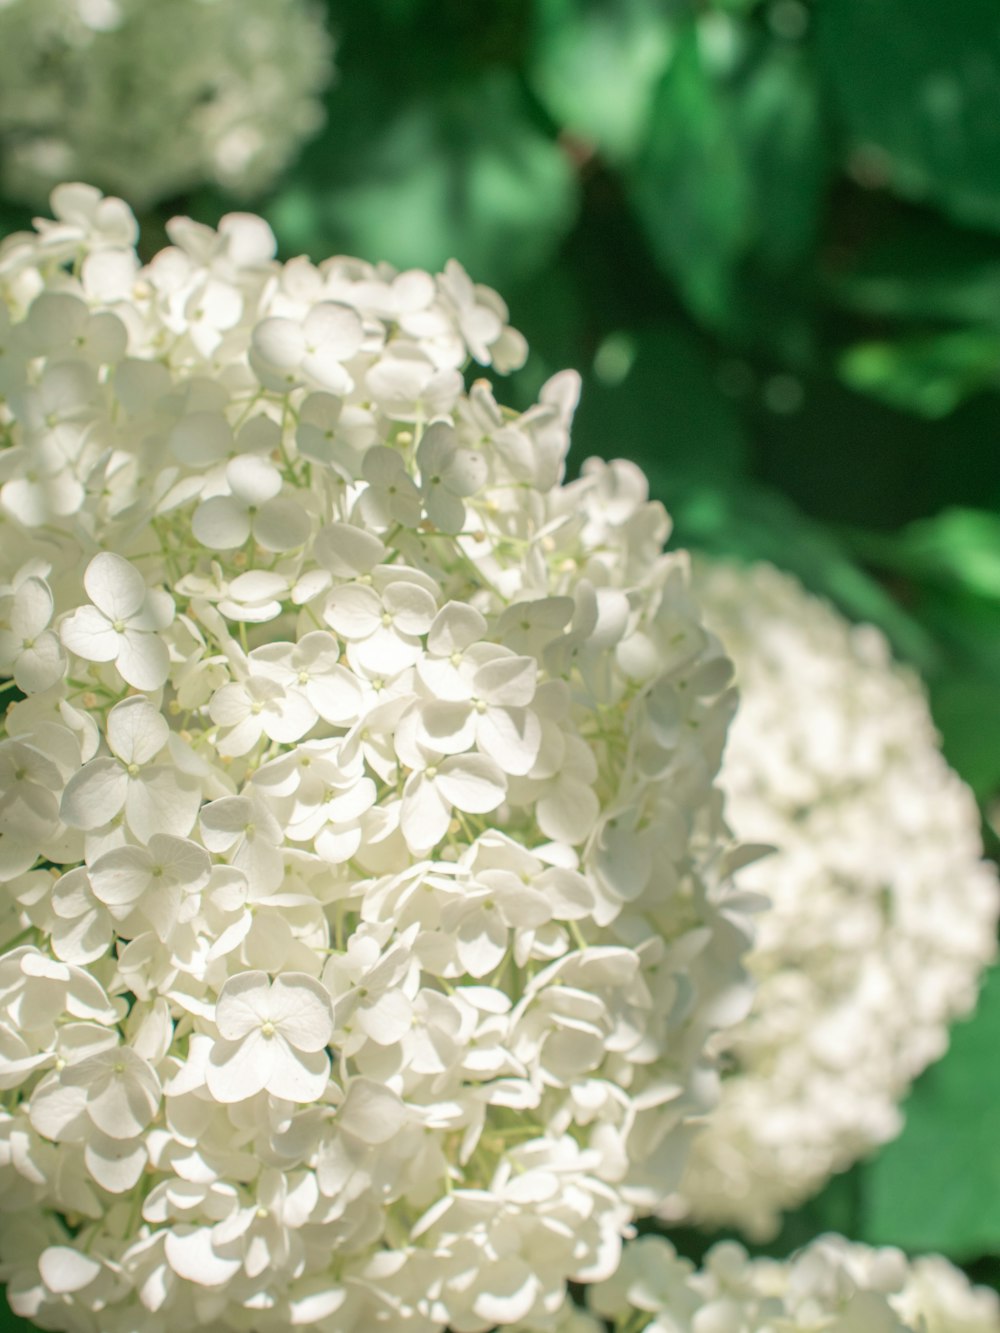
x=768, y=235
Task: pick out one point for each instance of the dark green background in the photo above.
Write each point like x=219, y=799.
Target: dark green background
x=768, y=235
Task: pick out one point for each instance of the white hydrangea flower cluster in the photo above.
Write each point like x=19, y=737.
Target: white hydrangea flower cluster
x=883, y=914
x=150, y=99
x=832, y=1285
x=367, y=901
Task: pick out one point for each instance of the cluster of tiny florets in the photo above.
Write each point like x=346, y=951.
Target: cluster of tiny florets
x=882, y=916
x=150, y=98
x=366, y=903
x=832, y=1285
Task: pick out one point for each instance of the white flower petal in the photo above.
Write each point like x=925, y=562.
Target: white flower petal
x=201, y=438
x=83, y=940
x=412, y=608
x=568, y=813
x=137, y=731
x=371, y=1112
x=280, y=342
x=89, y=634
x=353, y=611
x=302, y=1010
x=221, y=523
x=65, y=1270
x=143, y=660
x=388, y=1019
x=231, y=704
x=240, y=1069
x=481, y=941
x=162, y=801
x=223, y=822
x=32, y=609
x=334, y=328
x=41, y=665
x=94, y=795
x=244, y=1005
x=120, y=877
x=466, y=472
x=336, y=696
x=509, y=682
x=281, y=525
x=114, y=586
x=507, y=1288
x=252, y=479
x=448, y=728
x=297, y=1076
x=56, y=1110
x=511, y=736
x=425, y=813
x=455, y=627
x=346, y=550
x=115, y=1165
x=472, y=783
x=191, y=1256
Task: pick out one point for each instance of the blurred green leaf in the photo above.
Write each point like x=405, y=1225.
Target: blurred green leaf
x=690, y=186
x=968, y=626
x=938, y=1186
x=848, y=458
x=957, y=546
x=652, y=397
x=550, y=312
x=918, y=85
x=967, y=712
x=779, y=120
x=752, y=523
x=919, y=265
x=839, y=1208
x=595, y=65
x=14, y=217
x=9, y=1322
x=463, y=172
x=929, y=374
x=731, y=182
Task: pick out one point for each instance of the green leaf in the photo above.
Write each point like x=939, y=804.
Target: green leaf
x=968, y=625
x=918, y=85
x=652, y=397
x=779, y=120
x=938, y=1186
x=463, y=172
x=960, y=547
x=966, y=709
x=551, y=313
x=752, y=523
x=920, y=266
x=690, y=186
x=730, y=186
x=9, y=1322
x=595, y=65
x=928, y=374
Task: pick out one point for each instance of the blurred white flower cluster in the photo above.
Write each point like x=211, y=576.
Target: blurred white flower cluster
x=831, y=1284
x=150, y=98
x=883, y=914
x=384, y=907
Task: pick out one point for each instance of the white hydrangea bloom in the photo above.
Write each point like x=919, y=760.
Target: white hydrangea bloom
x=365, y=889
x=832, y=1285
x=883, y=916
x=151, y=99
